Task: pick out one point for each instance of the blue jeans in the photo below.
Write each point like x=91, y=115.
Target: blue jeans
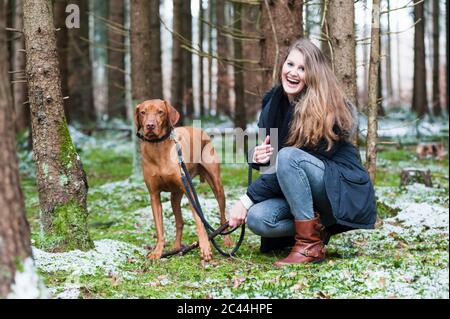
x=300, y=176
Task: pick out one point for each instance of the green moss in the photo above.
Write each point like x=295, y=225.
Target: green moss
x=68, y=230
x=68, y=152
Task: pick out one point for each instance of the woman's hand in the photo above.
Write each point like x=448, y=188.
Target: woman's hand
x=263, y=152
x=237, y=214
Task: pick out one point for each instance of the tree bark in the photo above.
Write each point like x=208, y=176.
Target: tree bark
x=281, y=25
x=81, y=101
x=178, y=75
x=21, y=107
x=389, y=89
x=436, y=102
x=201, y=36
x=419, y=101
x=372, y=125
x=341, y=27
x=211, y=11
x=116, y=60
x=187, y=34
x=62, y=43
x=15, y=245
x=61, y=180
x=155, y=51
x=325, y=44
x=223, y=80
x=252, y=75
x=240, y=118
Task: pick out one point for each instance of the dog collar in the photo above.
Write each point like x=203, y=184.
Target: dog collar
x=155, y=140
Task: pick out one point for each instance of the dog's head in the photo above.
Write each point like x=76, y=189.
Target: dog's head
x=155, y=117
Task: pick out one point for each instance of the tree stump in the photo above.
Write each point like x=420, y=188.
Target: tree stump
x=414, y=175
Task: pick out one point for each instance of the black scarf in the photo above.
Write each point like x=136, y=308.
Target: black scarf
x=279, y=114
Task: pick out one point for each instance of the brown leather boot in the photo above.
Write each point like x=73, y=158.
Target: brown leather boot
x=309, y=247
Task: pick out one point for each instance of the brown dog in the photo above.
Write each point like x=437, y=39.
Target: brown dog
x=163, y=173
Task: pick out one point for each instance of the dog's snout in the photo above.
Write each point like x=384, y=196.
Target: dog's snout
x=150, y=126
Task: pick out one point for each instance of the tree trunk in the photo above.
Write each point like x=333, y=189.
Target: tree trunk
x=223, y=81
x=240, y=118
x=419, y=102
x=178, y=75
x=325, y=44
x=390, y=91
x=21, y=107
x=281, y=25
x=380, y=99
x=341, y=26
x=211, y=11
x=99, y=35
x=81, y=100
x=436, y=102
x=201, y=35
x=15, y=245
x=372, y=125
x=252, y=75
x=59, y=9
x=61, y=180
x=116, y=61
x=155, y=51
x=187, y=34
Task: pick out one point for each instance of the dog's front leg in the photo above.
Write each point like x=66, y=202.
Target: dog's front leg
x=158, y=219
x=175, y=199
x=203, y=240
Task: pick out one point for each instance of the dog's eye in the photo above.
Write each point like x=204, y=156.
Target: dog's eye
x=160, y=112
x=142, y=112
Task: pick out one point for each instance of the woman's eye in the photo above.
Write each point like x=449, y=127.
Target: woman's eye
x=302, y=69
x=290, y=64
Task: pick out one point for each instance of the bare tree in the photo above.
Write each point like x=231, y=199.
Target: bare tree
x=223, y=81
x=62, y=43
x=177, y=82
x=155, y=51
x=15, y=245
x=211, y=15
x=187, y=57
x=436, y=102
x=116, y=60
x=372, y=107
x=201, y=36
x=419, y=101
x=240, y=118
x=281, y=25
x=80, y=104
x=61, y=180
x=252, y=74
x=389, y=89
x=341, y=28
x=21, y=107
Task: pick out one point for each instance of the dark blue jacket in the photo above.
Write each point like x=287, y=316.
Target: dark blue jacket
x=349, y=189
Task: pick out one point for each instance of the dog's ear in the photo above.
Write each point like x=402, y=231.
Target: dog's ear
x=173, y=115
x=137, y=122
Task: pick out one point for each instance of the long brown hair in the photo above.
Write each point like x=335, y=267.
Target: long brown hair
x=322, y=104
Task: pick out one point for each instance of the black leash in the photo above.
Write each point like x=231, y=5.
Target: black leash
x=193, y=199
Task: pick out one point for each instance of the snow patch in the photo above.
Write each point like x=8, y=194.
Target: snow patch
x=107, y=256
x=27, y=284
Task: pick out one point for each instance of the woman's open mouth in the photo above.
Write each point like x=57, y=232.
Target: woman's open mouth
x=292, y=83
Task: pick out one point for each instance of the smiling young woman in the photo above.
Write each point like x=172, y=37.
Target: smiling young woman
x=320, y=187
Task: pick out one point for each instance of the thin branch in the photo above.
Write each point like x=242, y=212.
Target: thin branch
x=408, y=5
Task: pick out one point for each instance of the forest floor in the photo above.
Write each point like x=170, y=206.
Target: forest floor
x=405, y=256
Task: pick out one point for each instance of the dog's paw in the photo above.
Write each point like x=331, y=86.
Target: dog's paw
x=156, y=253
x=205, y=253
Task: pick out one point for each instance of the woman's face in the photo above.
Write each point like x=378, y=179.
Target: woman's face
x=293, y=74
